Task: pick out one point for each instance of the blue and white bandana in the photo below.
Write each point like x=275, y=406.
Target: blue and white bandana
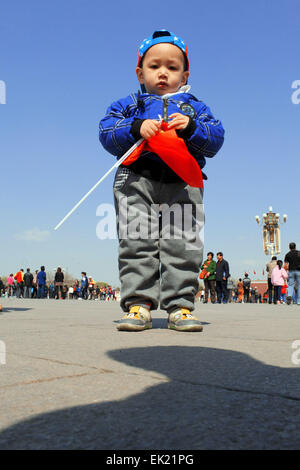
x=162, y=36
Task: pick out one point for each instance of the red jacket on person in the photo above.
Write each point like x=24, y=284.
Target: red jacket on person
x=19, y=277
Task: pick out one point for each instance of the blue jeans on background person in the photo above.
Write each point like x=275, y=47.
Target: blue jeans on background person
x=277, y=293
x=41, y=291
x=294, y=276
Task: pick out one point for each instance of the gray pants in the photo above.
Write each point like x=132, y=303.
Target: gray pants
x=27, y=292
x=157, y=268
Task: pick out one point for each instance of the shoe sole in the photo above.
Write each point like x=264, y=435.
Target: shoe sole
x=186, y=328
x=132, y=327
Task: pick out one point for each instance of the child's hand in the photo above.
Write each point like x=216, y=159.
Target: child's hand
x=149, y=128
x=179, y=121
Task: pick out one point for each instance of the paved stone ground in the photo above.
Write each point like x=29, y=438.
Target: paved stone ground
x=72, y=381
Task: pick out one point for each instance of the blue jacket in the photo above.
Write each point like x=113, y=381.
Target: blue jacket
x=115, y=128
x=84, y=282
x=41, y=278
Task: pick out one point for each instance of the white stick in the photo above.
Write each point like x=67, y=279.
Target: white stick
x=118, y=163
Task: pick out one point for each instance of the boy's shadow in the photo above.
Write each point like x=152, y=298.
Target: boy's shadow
x=209, y=399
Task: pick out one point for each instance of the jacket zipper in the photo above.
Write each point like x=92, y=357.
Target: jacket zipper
x=165, y=109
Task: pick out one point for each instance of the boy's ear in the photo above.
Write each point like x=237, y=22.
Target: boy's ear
x=140, y=75
x=185, y=76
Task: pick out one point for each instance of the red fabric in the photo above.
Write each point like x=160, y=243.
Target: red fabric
x=173, y=151
x=284, y=289
x=18, y=277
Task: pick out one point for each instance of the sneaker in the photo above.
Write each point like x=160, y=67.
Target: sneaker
x=137, y=319
x=182, y=320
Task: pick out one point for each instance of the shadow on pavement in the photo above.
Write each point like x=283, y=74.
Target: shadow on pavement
x=209, y=399
x=15, y=309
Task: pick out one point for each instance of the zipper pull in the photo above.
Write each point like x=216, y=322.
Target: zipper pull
x=165, y=109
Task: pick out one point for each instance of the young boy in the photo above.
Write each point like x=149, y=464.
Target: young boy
x=158, y=270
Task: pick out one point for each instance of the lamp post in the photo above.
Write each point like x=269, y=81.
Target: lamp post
x=271, y=231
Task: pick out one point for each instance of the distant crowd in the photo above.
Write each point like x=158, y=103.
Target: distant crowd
x=35, y=286
x=283, y=281
x=219, y=286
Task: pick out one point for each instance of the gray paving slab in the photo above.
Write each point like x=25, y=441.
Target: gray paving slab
x=72, y=381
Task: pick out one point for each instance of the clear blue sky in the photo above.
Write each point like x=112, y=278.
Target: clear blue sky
x=64, y=62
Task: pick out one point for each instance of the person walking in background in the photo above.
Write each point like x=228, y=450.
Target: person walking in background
x=102, y=293
x=269, y=267
x=2, y=287
x=28, y=279
x=246, y=287
x=240, y=291
x=278, y=278
x=10, y=283
x=75, y=289
x=293, y=260
x=19, y=280
x=97, y=292
x=41, y=281
x=222, y=274
x=70, y=292
x=256, y=295
x=109, y=292
x=64, y=294
x=253, y=296
x=51, y=290
x=209, y=277
x=59, y=282
x=91, y=287
x=84, y=285
x=265, y=297
x=34, y=284
x=230, y=287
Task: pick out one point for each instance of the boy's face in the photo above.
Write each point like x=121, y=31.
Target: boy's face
x=162, y=70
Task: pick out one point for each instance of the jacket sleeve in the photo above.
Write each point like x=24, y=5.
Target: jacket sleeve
x=226, y=269
x=115, y=128
x=208, y=135
x=284, y=274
